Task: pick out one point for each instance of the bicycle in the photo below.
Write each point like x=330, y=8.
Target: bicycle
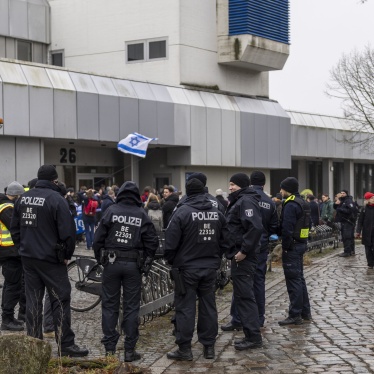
x=85, y=276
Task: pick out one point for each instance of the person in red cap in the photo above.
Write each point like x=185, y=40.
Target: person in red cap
x=365, y=228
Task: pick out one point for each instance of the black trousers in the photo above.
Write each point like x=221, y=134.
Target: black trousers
x=38, y=276
x=348, y=237
x=293, y=268
x=117, y=276
x=259, y=285
x=200, y=283
x=242, y=274
x=12, y=289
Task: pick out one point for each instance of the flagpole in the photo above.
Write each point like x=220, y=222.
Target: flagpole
x=135, y=169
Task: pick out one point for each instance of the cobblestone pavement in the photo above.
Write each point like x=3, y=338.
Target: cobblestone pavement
x=339, y=339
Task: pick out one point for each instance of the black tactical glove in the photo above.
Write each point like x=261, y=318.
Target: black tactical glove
x=147, y=265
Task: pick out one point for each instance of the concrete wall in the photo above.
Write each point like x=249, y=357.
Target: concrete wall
x=97, y=33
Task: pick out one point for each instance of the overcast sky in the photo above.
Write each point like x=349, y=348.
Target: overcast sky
x=321, y=31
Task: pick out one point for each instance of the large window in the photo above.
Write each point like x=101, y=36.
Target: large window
x=24, y=50
x=146, y=50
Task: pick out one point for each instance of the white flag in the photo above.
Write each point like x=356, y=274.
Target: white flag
x=135, y=144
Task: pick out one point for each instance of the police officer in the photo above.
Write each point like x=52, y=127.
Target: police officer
x=294, y=229
x=244, y=220
x=195, y=240
x=10, y=261
x=345, y=207
x=124, y=231
x=43, y=228
x=270, y=227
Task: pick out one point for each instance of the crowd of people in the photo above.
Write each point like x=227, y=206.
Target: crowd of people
x=123, y=228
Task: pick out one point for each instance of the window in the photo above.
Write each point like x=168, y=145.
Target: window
x=57, y=58
x=146, y=50
x=24, y=50
x=135, y=52
x=157, y=49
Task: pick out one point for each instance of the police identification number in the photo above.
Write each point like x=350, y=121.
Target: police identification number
x=207, y=232
x=123, y=235
x=29, y=216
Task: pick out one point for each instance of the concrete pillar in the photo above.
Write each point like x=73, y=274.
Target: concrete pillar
x=302, y=174
x=328, y=177
x=349, y=177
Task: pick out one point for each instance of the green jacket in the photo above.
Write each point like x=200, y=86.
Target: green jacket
x=327, y=211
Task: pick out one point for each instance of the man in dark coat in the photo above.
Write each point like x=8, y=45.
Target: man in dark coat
x=294, y=229
x=124, y=231
x=314, y=210
x=44, y=229
x=195, y=240
x=171, y=200
x=345, y=208
x=365, y=226
x=244, y=220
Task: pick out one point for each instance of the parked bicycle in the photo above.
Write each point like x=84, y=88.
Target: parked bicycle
x=85, y=276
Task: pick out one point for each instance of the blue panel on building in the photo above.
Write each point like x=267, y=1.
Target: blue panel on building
x=268, y=19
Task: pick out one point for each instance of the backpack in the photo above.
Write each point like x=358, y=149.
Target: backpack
x=90, y=208
x=156, y=218
x=354, y=213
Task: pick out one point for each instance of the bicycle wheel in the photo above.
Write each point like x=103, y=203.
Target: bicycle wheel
x=81, y=301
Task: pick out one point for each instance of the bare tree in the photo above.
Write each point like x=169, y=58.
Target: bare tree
x=352, y=81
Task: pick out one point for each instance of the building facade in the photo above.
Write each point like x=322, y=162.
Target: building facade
x=78, y=76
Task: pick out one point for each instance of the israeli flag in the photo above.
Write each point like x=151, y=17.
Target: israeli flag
x=135, y=144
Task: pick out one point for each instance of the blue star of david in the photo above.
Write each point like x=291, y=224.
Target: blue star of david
x=134, y=141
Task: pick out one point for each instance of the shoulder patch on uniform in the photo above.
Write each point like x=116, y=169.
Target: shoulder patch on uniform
x=249, y=212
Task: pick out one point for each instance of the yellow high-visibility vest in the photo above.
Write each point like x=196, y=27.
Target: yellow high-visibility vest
x=5, y=237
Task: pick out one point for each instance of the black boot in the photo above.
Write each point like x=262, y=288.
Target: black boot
x=181, y=354
x=131, y=355
x=209, y=352
x=291, y=321
x=74, y=351
x=246, y=344
x=11, y=325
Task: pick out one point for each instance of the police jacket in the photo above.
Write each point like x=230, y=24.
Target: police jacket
x=366, y=225
x=244, y=219
x=167, y=208
x=292, y=214
x=344, y=210
x=125, y=226
x=197, y=235
x=6, y=211
x=41, y=219
x=269, y=217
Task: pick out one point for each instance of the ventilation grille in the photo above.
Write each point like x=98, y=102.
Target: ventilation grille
x=265, y=18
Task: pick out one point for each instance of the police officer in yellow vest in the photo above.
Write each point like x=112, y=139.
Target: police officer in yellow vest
x=10, y=260
x=294, y=226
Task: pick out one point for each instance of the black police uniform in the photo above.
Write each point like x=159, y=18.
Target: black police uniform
x=195, y=240
x=294, y=228
x=40, y=221
x=124, y=230
x=270, y=227
x=244, y=220
x=344, y=212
